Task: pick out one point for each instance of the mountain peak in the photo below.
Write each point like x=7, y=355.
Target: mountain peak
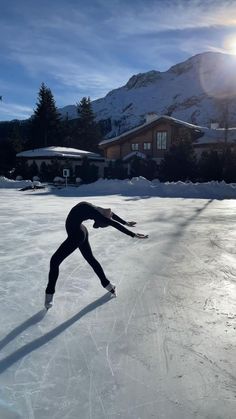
x=143, y=79
x=190, y=91
x=204, y=59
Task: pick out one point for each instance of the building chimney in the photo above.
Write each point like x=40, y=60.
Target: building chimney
x=150, y=116
x=214, y=125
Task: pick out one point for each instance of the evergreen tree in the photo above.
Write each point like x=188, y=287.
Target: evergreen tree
x=229, y=165
x=45, y=121
x=87, y=172
x=7, y=156
x=44, y=172
x=143, y=167
x=9, y=147
x=87, y=134
x=67, y=132
x=210, y=166
x=33, y=170
x=179, y=163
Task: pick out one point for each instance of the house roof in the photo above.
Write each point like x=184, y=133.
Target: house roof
x=214, y=136
x=133, y=154
x=65, y=152
x=147, y=124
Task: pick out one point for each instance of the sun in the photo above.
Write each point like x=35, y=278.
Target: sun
x=230, y=45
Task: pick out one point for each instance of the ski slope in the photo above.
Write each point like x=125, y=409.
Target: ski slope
x=163, y=349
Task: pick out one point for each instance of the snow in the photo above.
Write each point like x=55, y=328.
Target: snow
x=213, y=136
x=209, y=136
x=10, y=183
x=188, y=91
x=56, y=152
x=149, y=122
x=164, y=348
x=137, y=186
x=134, y=153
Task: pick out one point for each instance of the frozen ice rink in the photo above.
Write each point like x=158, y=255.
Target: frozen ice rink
x=163, y=349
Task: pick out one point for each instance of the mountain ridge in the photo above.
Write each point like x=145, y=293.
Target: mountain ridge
x=191, y=90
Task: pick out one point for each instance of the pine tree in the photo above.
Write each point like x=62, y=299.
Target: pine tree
x=87, y=134
x=210, y=166
x=179, y=163
x=45, y=120
x=10, y=146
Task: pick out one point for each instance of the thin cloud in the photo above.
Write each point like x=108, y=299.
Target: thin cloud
x=86, y=76
x=77, y=57
x=88, y=50
x=170, y=16
x=14, y=110
x=75, y=33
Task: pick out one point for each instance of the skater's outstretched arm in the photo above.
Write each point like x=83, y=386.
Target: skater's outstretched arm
x=125, y=230
x=118, y=226
x=120, y=220
x=103, y=221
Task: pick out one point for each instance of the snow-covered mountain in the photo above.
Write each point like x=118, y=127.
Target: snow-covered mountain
x=191, y=91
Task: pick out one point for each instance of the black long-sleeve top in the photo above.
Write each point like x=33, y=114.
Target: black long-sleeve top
x=86, y=211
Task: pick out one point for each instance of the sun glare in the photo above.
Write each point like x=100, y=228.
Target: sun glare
x=230, y=45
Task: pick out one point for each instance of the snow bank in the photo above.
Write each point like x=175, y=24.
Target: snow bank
x=139, y=186
x=9, y=183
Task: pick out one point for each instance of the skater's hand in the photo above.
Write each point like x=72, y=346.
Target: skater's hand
x=131, y=223
x=141, y=236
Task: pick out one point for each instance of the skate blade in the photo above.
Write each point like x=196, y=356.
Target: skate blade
x=113, y=294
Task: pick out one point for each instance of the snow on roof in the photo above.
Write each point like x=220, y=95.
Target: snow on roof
x=134, y=153
x=213, y=136
x=140, y=127
x=57, y=152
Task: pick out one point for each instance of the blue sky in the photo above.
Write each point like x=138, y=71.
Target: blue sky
x=86, y=48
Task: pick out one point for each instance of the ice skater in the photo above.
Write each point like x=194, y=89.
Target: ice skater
x=77, y=237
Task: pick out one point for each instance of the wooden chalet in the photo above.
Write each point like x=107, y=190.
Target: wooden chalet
x=151, y=139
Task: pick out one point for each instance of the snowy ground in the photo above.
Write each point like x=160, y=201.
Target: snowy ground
x=165, y=348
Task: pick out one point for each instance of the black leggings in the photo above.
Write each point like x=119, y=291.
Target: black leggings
x=66, y=248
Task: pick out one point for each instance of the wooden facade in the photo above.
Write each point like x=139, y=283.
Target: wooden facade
x=153, y=139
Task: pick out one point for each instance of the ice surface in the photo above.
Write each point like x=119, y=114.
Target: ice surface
x=164, y=349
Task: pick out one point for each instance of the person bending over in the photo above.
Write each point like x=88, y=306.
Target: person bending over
x=77, y=237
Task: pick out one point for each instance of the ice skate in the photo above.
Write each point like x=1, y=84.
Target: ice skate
x=111, y=288
x=48, y=301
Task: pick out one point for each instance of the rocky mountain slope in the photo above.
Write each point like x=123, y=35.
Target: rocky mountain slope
x=194, y=91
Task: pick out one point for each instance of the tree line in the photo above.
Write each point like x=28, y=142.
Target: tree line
x=47, y=128
x=180, y=163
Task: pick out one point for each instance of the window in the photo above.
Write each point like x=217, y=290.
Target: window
x=162, y=140
x=147, y=146
x=134, y=146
